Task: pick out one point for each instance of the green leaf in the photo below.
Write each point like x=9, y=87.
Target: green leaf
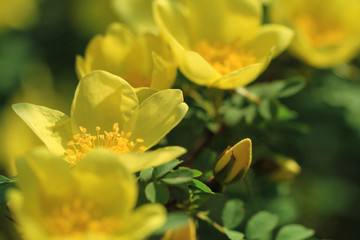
x=233, y=235
x=157, y=192
x=196, y=173
x=268, y=109
x=233, y=213
x=202, y=186
x=292, y=86
x=146, y=175
x=165, y=168
x=294, y=232
x=250, y=113
x=178, y=176
x=174, y=220
x=5, y=184
x=261, y=224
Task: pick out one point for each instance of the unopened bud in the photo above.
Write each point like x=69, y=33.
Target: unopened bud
x=278, y=168
x=234, y=162
x=187, y=232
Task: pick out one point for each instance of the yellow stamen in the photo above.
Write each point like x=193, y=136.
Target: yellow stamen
x=322, y=32
x=225, y=58
x=115, y=141
x=77, y=218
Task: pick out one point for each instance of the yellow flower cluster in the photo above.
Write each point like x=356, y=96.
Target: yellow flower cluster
x=83, y=186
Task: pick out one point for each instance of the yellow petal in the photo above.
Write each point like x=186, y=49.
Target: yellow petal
x=145, y=220
x=135, y=161
x=101, y=99
x=243, y=76
x=144, y=92
x=51, y=126
x=229, y=19
x=110, y=51
x=271, y=36
x=156, y=116
x=137, y=14
x=105, y=180
x=164, y=72
x=170, y=16
x=187, y=232
x=242, y=151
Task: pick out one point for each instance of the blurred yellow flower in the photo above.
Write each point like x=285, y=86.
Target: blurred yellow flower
x=36, y=86
x=137, y=14
x=17, y=14
x=93, y=200
x=144, y=60
x=234, y=162
x=107, y=113
x=187, y=232
x=326, y=33
x=220, y=44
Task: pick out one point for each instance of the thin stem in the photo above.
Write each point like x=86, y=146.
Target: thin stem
x=205, y=218
x=249, y=95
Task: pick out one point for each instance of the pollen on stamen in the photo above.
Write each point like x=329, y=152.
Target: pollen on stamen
x=225, y=58
x=115, y=141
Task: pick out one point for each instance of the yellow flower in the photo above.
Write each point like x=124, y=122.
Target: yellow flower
x=106, y=112
x=36, y=86
x=144, y=60
x=137, y=14
x=17, y=14
x=326, y=33
x=93, y=200
x=220, y=44
x=187, y=232
x=234, y=162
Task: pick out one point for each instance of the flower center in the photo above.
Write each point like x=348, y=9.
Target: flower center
x=225, y=58
x=115, y=141
x=321, y=32
x=77, y=218
x=137, y=79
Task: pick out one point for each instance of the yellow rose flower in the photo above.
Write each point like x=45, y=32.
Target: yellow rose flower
x=106, y=112
x=326, y=33
x=220, y=44
x=234, y=162
x=144, y=60
x=93, y=200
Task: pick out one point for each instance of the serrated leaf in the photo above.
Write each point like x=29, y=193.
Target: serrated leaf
x=174, y=220
x=233, y=213
x=157, y=192
x=233, y=235
x=294, y=232
x=178, y=177
x=146, y=174
x=202, y=186
x=261, y=224
x=165, y=168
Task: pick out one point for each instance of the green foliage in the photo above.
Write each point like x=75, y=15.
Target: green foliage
x=5, y=184
x=294, y=232
x=233, y=235
x=260, y=225
x=174, y=220
x=233, y=213
x=157, y=192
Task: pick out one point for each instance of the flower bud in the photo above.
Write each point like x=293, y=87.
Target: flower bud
x=234, y=162
x=187, y=232
x=278, y=168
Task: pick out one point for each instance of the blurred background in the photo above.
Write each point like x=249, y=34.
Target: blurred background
x=39, y=40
